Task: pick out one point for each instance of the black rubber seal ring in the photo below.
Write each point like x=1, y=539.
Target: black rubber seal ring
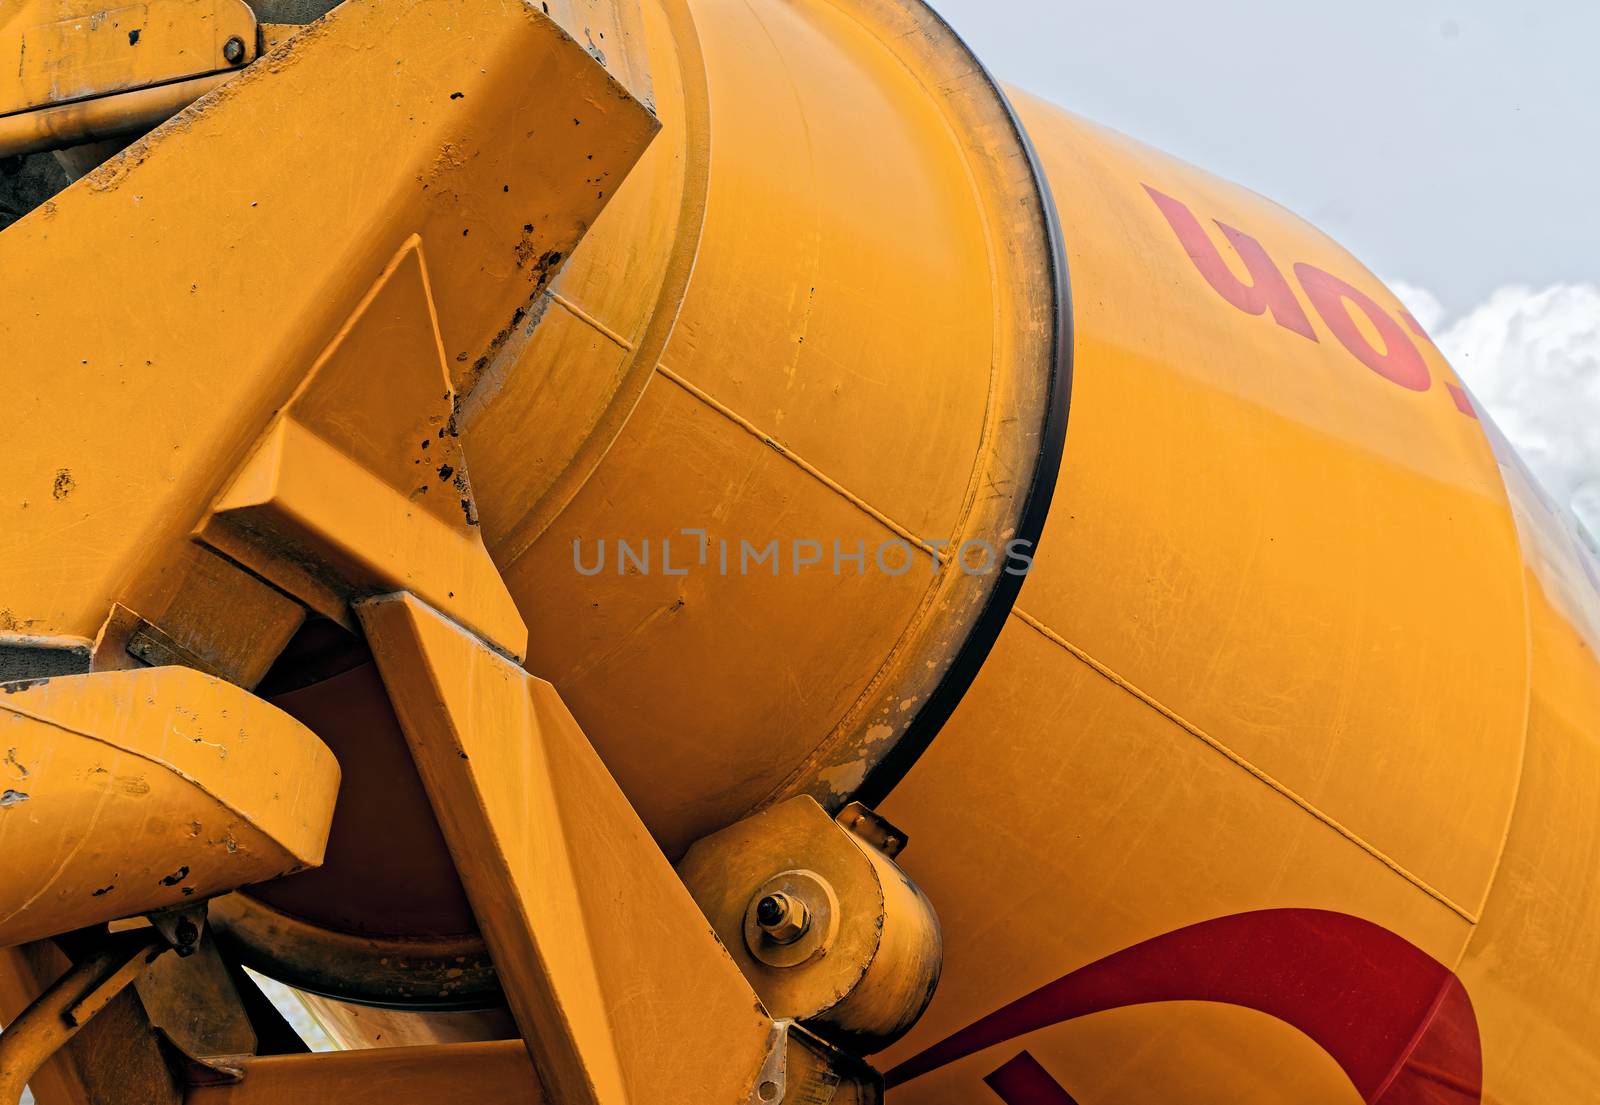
x=887, y=773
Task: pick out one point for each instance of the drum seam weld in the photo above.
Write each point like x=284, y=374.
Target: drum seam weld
x=1239, y=761
x=593, y=323
x=940, y=555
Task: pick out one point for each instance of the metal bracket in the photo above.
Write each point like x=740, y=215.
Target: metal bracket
x=772, y=1079
x=873, y=828
x=87, y=70
x=606, y=962
x=802, y=1068
x=182, y=927
x=74, y=999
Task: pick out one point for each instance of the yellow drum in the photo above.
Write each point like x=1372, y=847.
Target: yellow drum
x=827, y=318
x=1302, y=672
x=1275, y=787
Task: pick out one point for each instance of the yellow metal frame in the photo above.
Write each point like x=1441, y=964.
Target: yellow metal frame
x=572, y=894
x=69, y=50
x=139, y=790
x=34, y=1036
x=89, y=71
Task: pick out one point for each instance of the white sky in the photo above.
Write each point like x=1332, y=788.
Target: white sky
x=1454, y=144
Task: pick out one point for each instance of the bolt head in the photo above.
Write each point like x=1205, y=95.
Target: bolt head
x=769, y=911
x=233, y=50
x=782, y=918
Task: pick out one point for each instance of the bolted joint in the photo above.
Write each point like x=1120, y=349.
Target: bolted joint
x=181, y=927
x=789, y=919
x=830, y=933
x=781, y=918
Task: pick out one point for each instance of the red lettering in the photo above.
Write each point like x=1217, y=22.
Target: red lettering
x=1268, y=291
x=1397, y=1021
x=1024, y=1081
x=1398, y=360
x=1462, y=400
x=1458, y=394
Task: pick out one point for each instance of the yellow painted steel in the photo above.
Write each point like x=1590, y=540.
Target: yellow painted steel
x=150, y=395
x=575, y=901
x=126, y=792
x=1275, y=651
x=67, y=50
x=87, y=72
x=863, y=355
x=1287, y=644
x=102, y=117
x=113, y=1056
x=859, y=954
x=69, y=1004
x=638, y=377
x=332, y=504
x=145, y=406
x=1532, y=963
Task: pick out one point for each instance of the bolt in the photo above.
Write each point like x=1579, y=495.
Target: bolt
x=233, y=50
x=782, y=918
x=770, y=911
